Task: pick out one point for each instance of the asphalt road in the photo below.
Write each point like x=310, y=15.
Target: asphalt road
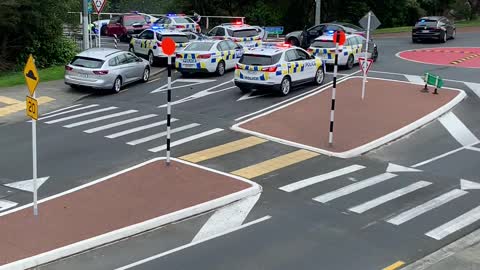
x=302, y=233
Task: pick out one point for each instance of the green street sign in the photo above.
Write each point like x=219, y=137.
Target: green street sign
x=434, y=80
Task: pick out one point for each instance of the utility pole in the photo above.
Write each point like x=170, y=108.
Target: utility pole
x=85, y=25
x=318, y=8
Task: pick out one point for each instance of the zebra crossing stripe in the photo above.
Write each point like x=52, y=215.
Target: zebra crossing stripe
x=116, y=124
x=456, y=224
x=324, y=198
x=69, y=111
x=187, y=139
x=62, y=109
x=320, y=178
x=162, y=134
x=388, y=197
x=4, y=205
x=81, y=115
x=423, y=208
x=140, y=128
x=99, y=118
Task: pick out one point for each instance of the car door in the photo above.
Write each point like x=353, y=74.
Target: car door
x=293, y=65
x=138, y=43
x=306, y=64
x=313, y=33
x=128, y=67
x=225, y=51
x=236, y=51
x=113, y=26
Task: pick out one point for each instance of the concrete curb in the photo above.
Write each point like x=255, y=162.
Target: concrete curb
x=363, y=148
x=147, y=225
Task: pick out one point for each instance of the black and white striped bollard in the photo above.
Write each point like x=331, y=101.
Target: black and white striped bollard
x=169, y=106
x=115, y=41
x=338, y=38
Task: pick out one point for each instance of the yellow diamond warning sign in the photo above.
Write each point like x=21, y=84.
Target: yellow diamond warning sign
x=31, y=75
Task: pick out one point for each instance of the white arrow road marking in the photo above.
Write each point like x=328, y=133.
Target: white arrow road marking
x=399, y=168
x=458, y=130
x=250, y=96
x=226, y=218
x=474, y=86
x=200, y=94
x=4, y=205
x=466, y=184
x=192, y=82
x=27, y=185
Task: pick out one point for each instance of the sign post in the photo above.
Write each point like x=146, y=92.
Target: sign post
x=368, y=22
x=168, y=47
x=434, y=80
x=99, y=5
x=338, y=39
x=31, y=78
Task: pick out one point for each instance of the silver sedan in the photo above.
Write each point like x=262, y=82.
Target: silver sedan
x=103, y=68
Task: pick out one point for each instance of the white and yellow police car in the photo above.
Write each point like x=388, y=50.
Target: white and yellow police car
x=246, y=35
x=177, y=22
x=148, y=44
x=208, y=56
x=279, y=67
x=348, y=54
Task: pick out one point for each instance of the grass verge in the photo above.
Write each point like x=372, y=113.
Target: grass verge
x=15, y=78
x=404, y=29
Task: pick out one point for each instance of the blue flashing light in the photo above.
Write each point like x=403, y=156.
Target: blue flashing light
x=330, y=32
x=422, y=21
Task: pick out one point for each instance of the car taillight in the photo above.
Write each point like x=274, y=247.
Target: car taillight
x=310, y=50
x=180, y=26
x=100, y=72
x=270, y=69
x=237, y=66
x=204, y=56
x=68, y=68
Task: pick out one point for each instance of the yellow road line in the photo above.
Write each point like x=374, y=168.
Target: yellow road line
x=21, y=106
x=223, y=149
x=8, y=101
x=395, y=266
x=274, y=164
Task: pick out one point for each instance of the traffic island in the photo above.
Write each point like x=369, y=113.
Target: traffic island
x=390, y=110
x=126, y=203
x=464, y=57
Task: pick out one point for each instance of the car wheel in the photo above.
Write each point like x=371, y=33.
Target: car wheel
x=375, y=55
x=350, y=62
x=294, y=42
x=146, y=75
x=151, y=59
x=444, y=37
x=220, y=68
x=319, y=76
x=245, y=90
x=117, y=85
x=454, y=33
x=285, y=86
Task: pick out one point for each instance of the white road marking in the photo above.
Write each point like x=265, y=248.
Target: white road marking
x=133, y=130
x=227, y=218
x=81, y=115
x=475, y=87
x=4, y=205
x=193, y=244
x=423, y=208
x=116, y=124
x=27, y=185
x=438, y=157
x=415, y=79
x=466, y=184
x=388, y=197
x=200, y=94
x=320, y=178
x=192, y=82
x=457, y=129
x=398, y=168
x=162, y=134
x=62, y=109
x=354, y=187
x=187, y=139
x=456, y=224
x=69, y=111
x=100, y=118
x=473, y=148
x=250, y=96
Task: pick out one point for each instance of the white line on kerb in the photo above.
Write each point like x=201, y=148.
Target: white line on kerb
x=193, y=244
x=320, y=178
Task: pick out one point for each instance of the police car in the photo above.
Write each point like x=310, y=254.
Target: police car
x=246, y=35
x=348, y=54
x=148, y=44
x=280, y=67
x=208, y=56
x=178, y=22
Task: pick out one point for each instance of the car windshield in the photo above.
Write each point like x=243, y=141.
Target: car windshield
x=129, y=21
x=245, y=33
x=199, y=46
x=259, y=60
x=323, y=44
x=426, y=23
x=86, y=62
x=181, y=20
x=177, y=38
